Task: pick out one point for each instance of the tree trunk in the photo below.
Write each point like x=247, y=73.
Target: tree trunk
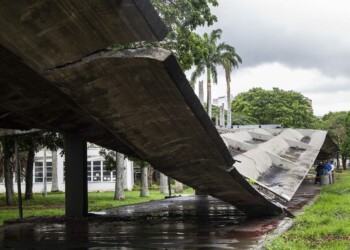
x=222, y=116
x=343, y=159
x=54, y=186
x=163, y=184
x=201, y=92
x=179, y=187
x=29, y=175
x=144, y=181
x=8, y=173
x=119, y=182
x=338, y=162
x=229, y=118
x=208, y=92
x=150, y=176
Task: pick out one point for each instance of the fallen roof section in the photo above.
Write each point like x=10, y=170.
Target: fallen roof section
x=54, y=76
x=144, y=100
x=277, y=160
x=138, y=102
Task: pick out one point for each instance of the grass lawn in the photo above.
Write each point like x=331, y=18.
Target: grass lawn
x=323, y=225
x=54, y=204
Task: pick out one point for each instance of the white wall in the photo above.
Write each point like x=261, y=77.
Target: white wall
x=93, y=154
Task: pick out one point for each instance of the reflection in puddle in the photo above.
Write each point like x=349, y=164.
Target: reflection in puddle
x=186, y=222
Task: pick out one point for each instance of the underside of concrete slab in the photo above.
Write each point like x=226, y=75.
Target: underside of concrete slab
x=57, y=74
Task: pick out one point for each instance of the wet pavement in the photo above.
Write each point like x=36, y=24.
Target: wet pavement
x=188, y=222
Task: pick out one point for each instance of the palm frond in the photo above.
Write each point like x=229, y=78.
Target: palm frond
x=214, y=74
x=200, y=70
x=214, y=36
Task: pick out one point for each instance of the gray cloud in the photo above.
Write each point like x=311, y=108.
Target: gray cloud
x=265, y=31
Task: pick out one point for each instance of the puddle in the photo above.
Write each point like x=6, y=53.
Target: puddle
x=190, y=222
x=306, y=139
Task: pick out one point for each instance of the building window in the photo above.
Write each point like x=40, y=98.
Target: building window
x=106, y=173
x=96, y=171
x=89, y=170
x=1, y=179
x=49, y=171
x=39, y=171
x=114, y=175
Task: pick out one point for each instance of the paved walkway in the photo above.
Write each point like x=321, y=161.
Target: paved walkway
x=188, y=222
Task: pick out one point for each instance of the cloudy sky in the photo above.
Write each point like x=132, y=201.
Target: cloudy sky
x=300, y=45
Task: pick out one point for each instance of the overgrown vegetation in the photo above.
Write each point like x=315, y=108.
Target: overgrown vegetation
x=325, y=224
x=54, y=203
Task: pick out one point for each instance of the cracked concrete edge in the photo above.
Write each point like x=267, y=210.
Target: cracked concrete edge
x=284, y=226
x=153, y=53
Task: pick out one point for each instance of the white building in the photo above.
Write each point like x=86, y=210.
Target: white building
x=221, y=100
x=99, y=178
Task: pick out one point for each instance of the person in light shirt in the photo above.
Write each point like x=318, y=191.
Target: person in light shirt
x=332, y=173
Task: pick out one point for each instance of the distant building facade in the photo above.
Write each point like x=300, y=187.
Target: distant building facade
x=99, y=178
x=221, y=100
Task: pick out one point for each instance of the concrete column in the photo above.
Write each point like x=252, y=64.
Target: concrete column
x=76, y=176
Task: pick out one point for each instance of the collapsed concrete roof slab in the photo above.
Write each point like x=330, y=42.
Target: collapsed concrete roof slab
x=138, y=102
x=143, y=98
x=48, y=34
x=277, y=160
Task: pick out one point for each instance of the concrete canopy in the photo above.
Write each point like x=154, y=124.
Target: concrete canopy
x=55, y=74
x=137, y=102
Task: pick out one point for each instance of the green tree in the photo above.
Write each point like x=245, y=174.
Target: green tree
x=31, y=143
x=144, y=166
x=241, y=119
x=28, y=145
x=7, y=148
x=115, y=161
x=229, y=62
x=237, y=118
x=182, y=17
x=288, y=108
x=345, y=147
x=211, y=55
x=338, y=126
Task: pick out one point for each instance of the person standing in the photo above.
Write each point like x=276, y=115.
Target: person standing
x=332, y=172
x=319, y=170
x=328, y=168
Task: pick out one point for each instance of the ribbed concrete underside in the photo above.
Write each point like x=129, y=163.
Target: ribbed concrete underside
x=277, y=160
x=137, y=102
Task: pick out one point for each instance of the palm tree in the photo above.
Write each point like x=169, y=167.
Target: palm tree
x=229, y=61
x=212, y=55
